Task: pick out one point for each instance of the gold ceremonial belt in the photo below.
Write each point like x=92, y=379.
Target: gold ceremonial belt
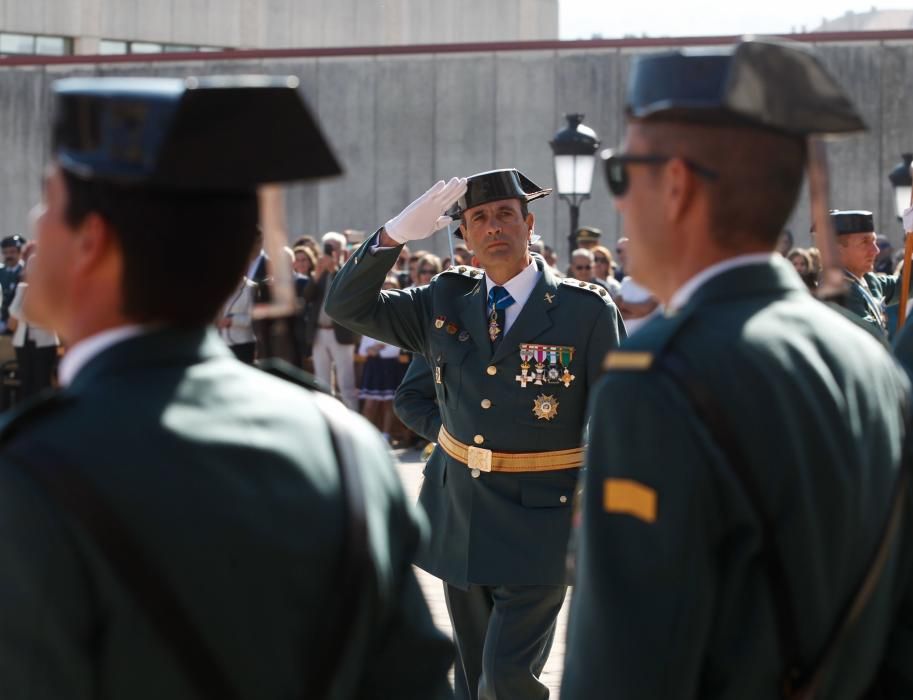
x=489, y=461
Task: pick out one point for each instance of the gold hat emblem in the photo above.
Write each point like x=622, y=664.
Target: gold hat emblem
x=545, y=407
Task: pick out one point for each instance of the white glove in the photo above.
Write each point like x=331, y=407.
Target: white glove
x=908, y=219
x=426, y=214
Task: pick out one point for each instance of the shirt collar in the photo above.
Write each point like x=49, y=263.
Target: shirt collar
x=687, y=290
x=520, y=286
x=85, y=350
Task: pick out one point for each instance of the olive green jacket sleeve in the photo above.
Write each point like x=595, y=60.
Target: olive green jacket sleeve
x=356, y=300
x=415, y=402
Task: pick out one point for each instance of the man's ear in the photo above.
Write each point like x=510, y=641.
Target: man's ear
x=680, y=186
x=530, y=223
x=95, y=242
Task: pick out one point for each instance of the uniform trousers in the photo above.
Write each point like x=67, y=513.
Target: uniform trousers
x=503, y=636
x=328, y=352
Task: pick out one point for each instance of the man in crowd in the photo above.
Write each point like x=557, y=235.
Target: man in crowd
x=588, y=237
x=157, y=516
x=513, y=352
x=583, y=268
x=10, y=273
x=869, y=293
x=333, y=344
x=731, y=511
x=621, y=257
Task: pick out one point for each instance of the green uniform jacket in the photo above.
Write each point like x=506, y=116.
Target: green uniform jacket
x=227, y=478
x=415, y=403
x=869, y=305
x=672, y=597
x=496, y=528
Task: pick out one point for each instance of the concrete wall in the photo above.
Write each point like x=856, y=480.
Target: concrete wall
x=283, y=23
x=399, y=123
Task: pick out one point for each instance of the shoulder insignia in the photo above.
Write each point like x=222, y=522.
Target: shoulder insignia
x=29, y=411
x=584, y=286
x=628, y=361
x=473, y=273
x=627, y=497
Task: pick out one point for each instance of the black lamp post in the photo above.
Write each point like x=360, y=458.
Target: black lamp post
x=902, y=182
x=574, y=149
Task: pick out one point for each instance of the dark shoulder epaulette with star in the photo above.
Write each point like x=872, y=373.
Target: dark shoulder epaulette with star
x=596, y=289
x=467, y=271
x=29, y=412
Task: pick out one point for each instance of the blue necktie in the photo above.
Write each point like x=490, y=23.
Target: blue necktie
x=498, y=300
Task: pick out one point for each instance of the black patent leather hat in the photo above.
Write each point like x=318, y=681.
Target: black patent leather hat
x=196, y=134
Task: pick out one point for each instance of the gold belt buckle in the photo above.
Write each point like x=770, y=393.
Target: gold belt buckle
x=479, y=458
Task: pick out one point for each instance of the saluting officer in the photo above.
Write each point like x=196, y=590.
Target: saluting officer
x=745, y=447
x=174, y=523
x=513, y=352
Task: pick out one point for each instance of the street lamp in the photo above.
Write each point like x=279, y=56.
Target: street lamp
x=574, y=149
x=902, y=182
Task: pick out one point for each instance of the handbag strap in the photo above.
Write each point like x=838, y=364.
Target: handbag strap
x=76, y=495
x=797, y=684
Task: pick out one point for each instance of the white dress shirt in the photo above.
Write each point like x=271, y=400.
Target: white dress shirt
x=42, y=337
x=80, y=354
x=687, y=290
x=520, y=286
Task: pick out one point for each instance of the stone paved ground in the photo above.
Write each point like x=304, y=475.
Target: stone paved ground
x=410, y=469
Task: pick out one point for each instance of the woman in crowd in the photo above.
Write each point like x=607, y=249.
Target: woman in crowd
x=382, y=375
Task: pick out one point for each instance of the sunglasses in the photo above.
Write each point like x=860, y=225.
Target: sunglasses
x=601, y=261
x=426, y=271
x=616, y=169
x=583, y=267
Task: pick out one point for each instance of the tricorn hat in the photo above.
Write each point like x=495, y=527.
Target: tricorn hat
x=766, y=84
x=493, y=185
x=217, y=134
x=857, y=221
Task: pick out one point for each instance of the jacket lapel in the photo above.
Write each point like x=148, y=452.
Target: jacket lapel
x=472, y=316
x=534, y=318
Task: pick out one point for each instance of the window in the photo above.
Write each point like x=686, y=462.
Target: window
x=17, y=43
x=145, y=47
x=52, y=46
x=109, y=46
x=35, y=44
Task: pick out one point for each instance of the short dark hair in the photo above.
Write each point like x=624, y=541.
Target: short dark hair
x=759, y=176
x=183, y=253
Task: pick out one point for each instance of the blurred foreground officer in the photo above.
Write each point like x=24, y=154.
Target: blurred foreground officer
x=734, y=506
x=172, y=524
x=513, y=352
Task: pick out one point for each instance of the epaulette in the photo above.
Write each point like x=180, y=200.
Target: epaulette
x=597, y=289
x=628, y=361
x=465, y=271
x=29, y=411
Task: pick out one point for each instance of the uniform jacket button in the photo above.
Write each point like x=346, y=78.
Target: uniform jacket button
x=492, y=370
x=476, y=473
x=563, y=499
x=486, y=403
x=478, y=439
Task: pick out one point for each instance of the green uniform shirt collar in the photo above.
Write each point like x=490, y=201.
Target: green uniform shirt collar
x=156, y=347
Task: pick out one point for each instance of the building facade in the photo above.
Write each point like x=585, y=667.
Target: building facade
x=61, y=27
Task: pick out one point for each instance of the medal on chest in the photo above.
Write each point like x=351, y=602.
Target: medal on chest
x=545, y=407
